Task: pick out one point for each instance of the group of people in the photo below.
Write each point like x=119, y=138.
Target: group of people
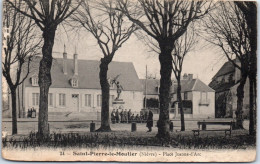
x=124, y=116
x=31, y=113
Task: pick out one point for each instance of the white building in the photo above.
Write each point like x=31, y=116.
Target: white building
x=198, y=99
x=76, y=87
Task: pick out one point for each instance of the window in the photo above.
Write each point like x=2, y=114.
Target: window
x=158, y=89
x=111, y=84
x=230, y=78
x=35, y=81
x=185, y=95
x=74, y=95
x=35, y=99
x=99, y=100
x=203, y=96
x=50, y=99
x=62, y=99
x=88, y=100
x=74, y=82
x=111, y=99
x=204, y=99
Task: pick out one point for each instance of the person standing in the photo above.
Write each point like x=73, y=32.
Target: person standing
x=129, y=114
x=113, y=116
x=125, y=116
x=146, y=114
x=117, y=116
x=122, y=116
x=137, y=118
x=149, y=122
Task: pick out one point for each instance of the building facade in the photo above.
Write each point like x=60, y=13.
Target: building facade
x=76, y=88
x=225, y=83
x=198, y=99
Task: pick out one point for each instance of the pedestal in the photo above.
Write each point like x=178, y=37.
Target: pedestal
x=118, y=103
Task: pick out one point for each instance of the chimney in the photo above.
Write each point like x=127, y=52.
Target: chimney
x=65, y=61
x=185, y=76
x=76, y=71
x=190, y=76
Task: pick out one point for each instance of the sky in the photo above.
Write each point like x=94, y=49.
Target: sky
x=203, y=61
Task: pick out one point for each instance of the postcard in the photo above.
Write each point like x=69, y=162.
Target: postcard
x=129, y=80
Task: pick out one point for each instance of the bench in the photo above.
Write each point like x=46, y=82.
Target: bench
x=205, y=123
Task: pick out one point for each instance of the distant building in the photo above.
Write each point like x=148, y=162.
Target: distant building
x=225, y=83
x=198, y=99
x=76, y=87
x=151, y=93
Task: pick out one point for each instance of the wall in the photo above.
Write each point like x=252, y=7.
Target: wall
x=189, y=96
x=203, y=111
x=133, y=99
x=174, y=98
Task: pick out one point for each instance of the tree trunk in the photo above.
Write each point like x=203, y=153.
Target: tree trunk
x=255, y=103
x=45, y=79
x=240, y=98
x=180, y=104
x=14, y=114
x=165, y=59
x=251, y=108
x=105, y=122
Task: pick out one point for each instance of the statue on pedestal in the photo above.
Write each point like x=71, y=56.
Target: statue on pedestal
x=118, y=90
x=118, y=86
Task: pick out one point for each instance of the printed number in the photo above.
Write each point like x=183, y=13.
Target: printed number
x=62, y=153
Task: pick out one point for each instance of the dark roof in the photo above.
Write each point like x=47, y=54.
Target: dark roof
x=220, y=86
x=193, y=85
x=227, y=68
x=186, y=86
x=88, y=74
x=152, y=86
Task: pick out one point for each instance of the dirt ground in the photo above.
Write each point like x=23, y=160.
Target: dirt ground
x=27, y=126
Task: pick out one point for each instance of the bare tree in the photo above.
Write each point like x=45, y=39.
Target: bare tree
x=47, y=14
x=164, y=21
x=249, y=11
x=20, y=44
x=181, y=47
x=111, y=30
x=227, y=29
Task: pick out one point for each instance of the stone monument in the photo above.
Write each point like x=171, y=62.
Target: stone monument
x=118, y=103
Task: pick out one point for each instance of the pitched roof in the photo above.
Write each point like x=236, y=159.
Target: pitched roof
x=228, y=67
x=186, y=86
x=152, y=85
x=88, y=74
x=220, y=87
x=193, y=85
x=200, y=86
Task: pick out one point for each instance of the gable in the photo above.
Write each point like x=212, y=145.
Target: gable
x=193, y=85
x=227, y=68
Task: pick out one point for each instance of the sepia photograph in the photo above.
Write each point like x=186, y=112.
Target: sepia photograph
x=129, y=80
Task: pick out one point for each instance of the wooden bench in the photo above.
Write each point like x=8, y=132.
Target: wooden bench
x=205, y=123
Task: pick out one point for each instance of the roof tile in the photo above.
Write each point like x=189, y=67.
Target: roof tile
x=89, y=74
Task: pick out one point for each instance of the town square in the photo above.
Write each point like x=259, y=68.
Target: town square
x=175, y=79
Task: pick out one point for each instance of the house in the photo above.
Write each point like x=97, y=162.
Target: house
x=198, y=99
x=76, y=88
x=225, y=84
